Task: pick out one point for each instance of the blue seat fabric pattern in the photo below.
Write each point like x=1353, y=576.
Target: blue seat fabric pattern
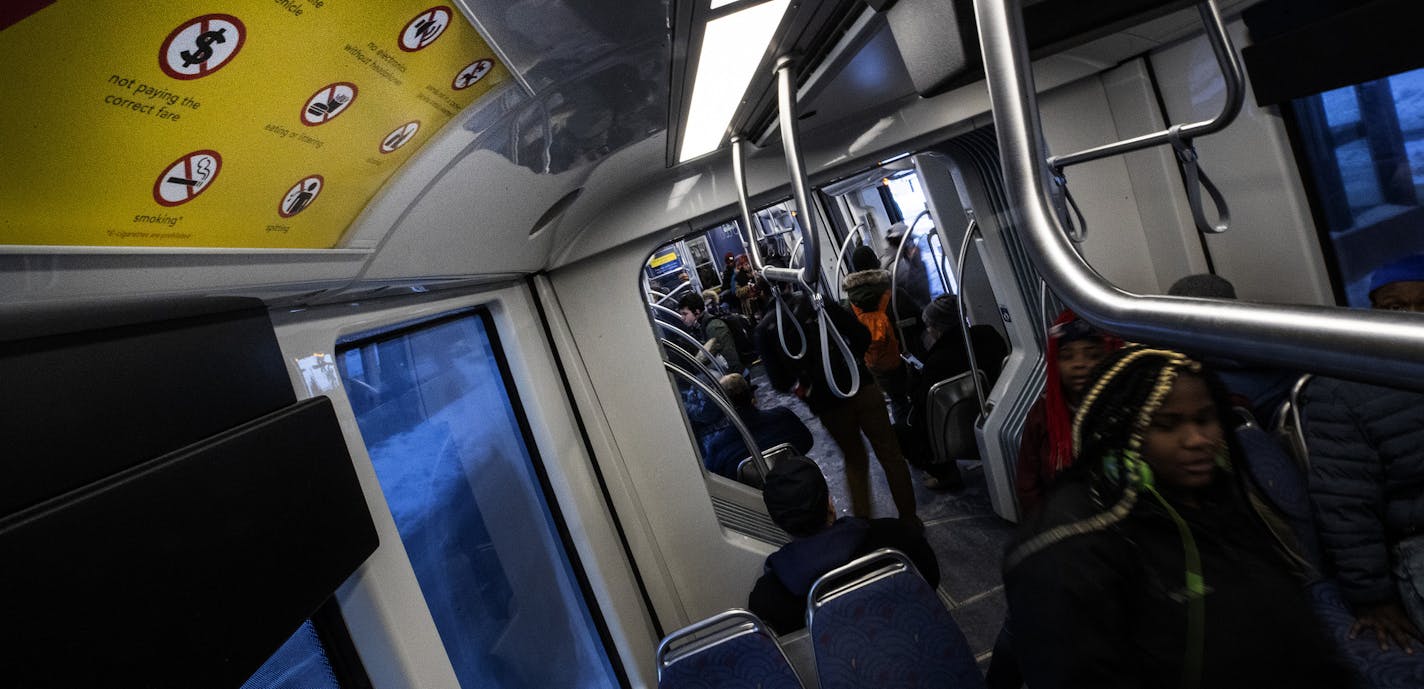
x=746, y=661
x=894, y=632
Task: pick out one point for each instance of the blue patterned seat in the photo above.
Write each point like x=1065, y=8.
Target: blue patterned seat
x=730, y=650
x=875, y=623
x=1391, y=669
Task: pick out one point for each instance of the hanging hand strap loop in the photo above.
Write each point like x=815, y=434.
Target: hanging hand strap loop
x=1076, y=231
x=830, y=332
x=1196, y=180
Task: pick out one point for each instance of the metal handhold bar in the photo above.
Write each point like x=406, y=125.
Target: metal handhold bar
x=674, y=291
x=758, y=459
x=810, y=273
x=969, y=233
x=739, y=173
x=840, y=257
x=1375, y=346
x=1226, y=59
x=711, y=358
x=688, y=356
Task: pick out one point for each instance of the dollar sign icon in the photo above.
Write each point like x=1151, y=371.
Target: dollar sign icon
x=204, y=45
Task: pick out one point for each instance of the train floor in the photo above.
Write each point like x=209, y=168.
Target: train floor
x=967, y=537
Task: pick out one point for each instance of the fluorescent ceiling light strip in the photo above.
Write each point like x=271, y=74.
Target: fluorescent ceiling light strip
x=732, y=47
x=719, y=3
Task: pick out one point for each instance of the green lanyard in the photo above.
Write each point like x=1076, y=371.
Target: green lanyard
x=1196, y=596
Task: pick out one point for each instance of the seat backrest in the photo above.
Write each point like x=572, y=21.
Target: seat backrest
x=1289, y=424
x=952, y=409
x=1279, y=480
x=730, y=650
x=876, y=623
x=746, y=469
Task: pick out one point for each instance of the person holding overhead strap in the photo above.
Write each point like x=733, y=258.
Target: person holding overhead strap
x=1147, y=566
x=846, y=419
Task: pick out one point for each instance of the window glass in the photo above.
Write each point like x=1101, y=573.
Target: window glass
x=1365, y=150
x=299, y=664
x=447, y=446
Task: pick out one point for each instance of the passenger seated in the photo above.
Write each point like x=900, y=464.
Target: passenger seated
x=1045, y=448
x=798, y=500
x=769, y=427
x=1147, y=567
x=1262, y=389
x=945, y=357
x=1366, y=447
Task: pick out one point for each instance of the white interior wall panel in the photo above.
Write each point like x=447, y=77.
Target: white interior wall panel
x=711, y=570
x=1272, y=252
x=1076, y=117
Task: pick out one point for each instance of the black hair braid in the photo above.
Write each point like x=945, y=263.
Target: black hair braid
x=1129, y=387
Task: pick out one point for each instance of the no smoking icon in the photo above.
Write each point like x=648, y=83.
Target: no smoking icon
x=187, y=177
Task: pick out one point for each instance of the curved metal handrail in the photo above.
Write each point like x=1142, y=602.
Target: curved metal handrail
x=736, y=421
x=841, y=272
x=1226, y=59
x=688, y=356
x=1375, y=346
x=674, y=291
x=969, y=233
x=810, y=273
x=711, y=358
x=739, y=173
x=894, y=270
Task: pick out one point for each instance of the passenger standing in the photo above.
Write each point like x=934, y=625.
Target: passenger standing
x=911, y=284
x=1147, y=566
x=706, y=326
x=845, y=419
x=799, y=502
x=868, y=289
x=1367, y=481
x=1046, y=448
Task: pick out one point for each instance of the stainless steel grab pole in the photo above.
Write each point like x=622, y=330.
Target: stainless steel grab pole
x=1229, y=63
x=1385, y=347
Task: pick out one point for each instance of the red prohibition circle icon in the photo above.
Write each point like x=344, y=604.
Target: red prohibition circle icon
x=300, y=196
x=472, y=74
x=201, y=46
x=422, y=30
x=328, y=102
x=187, y=177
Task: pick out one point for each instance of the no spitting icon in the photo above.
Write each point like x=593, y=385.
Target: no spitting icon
x=328, y=102
x=472, y=74
x=400, y=136
x=301, y=195
x=201, y=46
x=425, y=28
x=187, y=177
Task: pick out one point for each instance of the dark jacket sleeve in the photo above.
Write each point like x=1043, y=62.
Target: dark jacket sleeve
x=778, y=368
x=1033, y=452
x=776, y=605
x=1069, y=618
x=1347, y=487
x=789, y=428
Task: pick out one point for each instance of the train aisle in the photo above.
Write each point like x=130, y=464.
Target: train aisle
x=967, y=537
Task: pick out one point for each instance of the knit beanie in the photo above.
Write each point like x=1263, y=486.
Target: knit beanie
x=796, y=495
x=1204, y=285
x=1407, y=269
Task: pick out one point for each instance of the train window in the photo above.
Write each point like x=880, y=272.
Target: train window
x=907, y=197
x=319, y=655
x=1364, y=146
x=451, y=450
x=300, y=663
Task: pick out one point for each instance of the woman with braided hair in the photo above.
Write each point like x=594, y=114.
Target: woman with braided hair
x=1146, y=566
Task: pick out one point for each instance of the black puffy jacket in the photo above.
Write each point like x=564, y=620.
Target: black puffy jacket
x=1107, y=609
x=1366, y=478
